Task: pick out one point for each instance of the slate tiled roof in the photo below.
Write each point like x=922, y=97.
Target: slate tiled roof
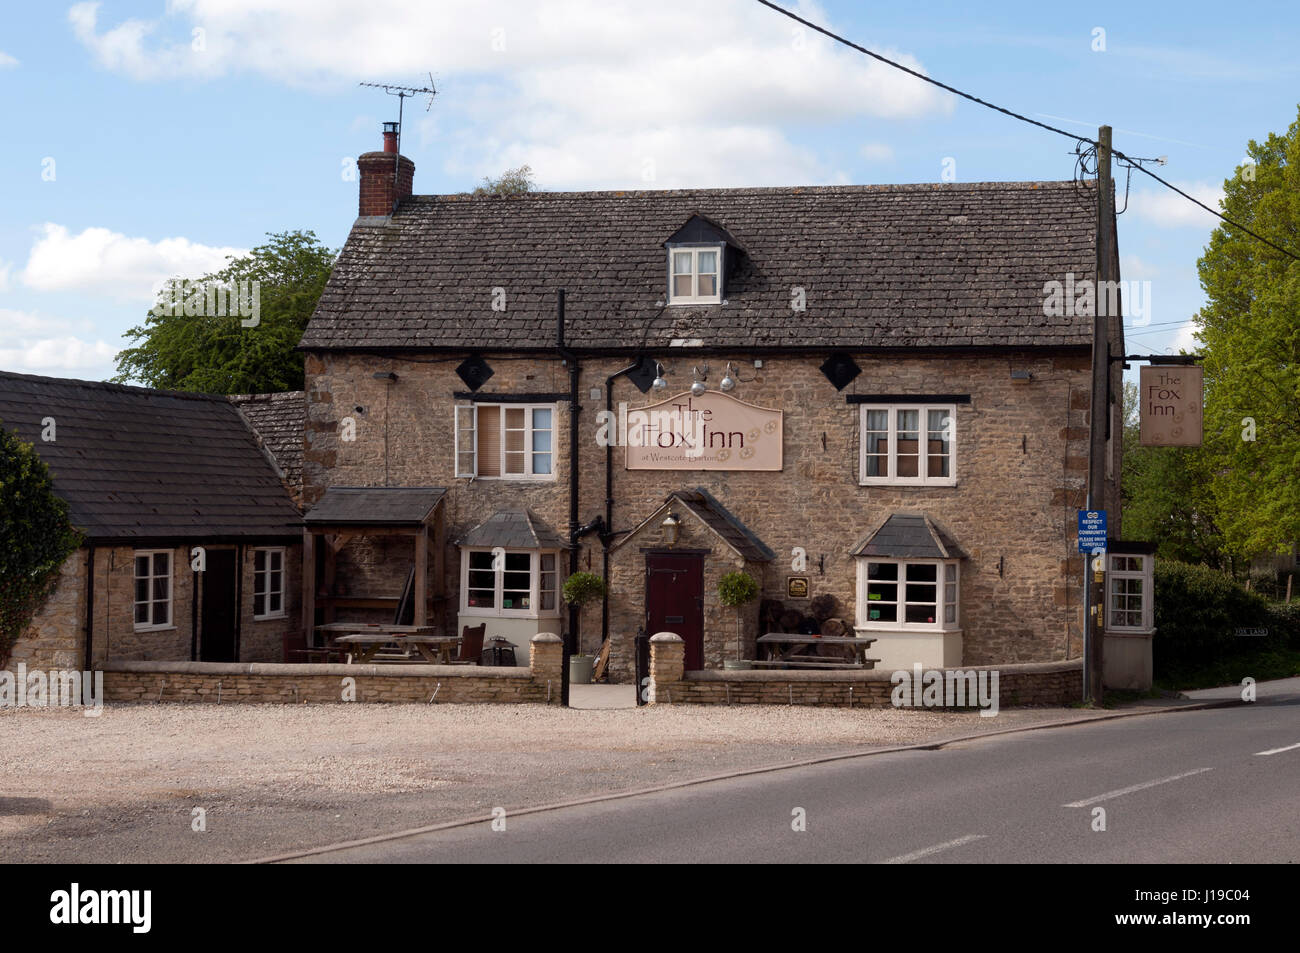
x=375, y=505
x=278, y=420
x=513, y=529
x=934, y=265
x=909, y=536
x=719, y=519
x=138, y=463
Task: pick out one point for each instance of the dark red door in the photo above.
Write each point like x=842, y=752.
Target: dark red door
x=674, y=600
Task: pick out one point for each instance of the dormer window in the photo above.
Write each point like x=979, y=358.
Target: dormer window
x=696, y=275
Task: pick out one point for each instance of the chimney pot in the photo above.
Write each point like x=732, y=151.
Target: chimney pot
x=386, y=177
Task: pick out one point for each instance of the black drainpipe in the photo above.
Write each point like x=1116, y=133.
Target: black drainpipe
x=572, y=360
x=90, y=608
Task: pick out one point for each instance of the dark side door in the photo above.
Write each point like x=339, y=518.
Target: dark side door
x=220, y=605
x=674, y=600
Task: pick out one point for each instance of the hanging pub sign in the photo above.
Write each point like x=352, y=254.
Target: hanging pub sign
x=709, y=431
x=1170, y=405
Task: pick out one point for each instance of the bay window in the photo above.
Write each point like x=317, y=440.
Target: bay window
x=908, y=444
x=902, y=595
x=1129, y=606
x=506, y=441
x=500, y=582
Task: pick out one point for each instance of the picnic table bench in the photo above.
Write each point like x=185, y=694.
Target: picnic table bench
x=795, y=653
x=363, y=642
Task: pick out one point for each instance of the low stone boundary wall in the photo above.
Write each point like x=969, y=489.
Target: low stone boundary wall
x=260, y=682
x=1035, y=683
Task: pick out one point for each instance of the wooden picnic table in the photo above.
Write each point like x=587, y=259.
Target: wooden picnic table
x=369, y=638
x=794, y=655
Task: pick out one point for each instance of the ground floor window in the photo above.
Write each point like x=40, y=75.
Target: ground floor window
x=501, y=582
x=153, y=589
x=268, y=583
x=902, y=594
x=1129, y=605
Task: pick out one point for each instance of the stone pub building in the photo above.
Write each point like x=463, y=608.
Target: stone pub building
x=848, y=391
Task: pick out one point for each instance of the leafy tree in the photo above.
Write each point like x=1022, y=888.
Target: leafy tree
x=226, y=353
x=35, y=537
x=513, y=182
x=1250, y=329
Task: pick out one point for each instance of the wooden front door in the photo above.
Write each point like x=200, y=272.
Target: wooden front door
x=674, y=600
x=217, y=634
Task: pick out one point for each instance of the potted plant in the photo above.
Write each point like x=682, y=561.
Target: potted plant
x=736, y=589
x=578, y=590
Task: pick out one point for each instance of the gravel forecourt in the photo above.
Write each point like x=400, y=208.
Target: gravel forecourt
x=122, y=787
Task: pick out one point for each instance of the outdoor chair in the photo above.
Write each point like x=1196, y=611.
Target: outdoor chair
x=471, y=645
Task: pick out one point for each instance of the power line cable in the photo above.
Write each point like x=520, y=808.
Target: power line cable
x=1079, y=140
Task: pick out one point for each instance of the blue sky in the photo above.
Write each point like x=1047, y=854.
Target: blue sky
x=137, y=148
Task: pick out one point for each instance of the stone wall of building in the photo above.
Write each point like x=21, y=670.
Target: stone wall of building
x=54, y=638
x=1021, y=466
x=248, y=683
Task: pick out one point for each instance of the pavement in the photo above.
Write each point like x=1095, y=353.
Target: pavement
x=1189, y=784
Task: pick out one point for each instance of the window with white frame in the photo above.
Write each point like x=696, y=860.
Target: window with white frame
x=903, y=595
x=695, y=274
x=1129, y=605
x=153, y=589
x=520, y=583
x=506, y=441
x=268, y=583
x=909, y=444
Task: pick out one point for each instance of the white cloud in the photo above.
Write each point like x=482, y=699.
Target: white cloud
x=1185, y=339
x=1134, y=268
x=544, y=83
x=5, y=268
x=876, y=152
x=1168, y=209
x=7, y=61
x=41, y=344
x=114, y=265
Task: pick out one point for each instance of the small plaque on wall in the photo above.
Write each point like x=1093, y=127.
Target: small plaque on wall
x=796, y=587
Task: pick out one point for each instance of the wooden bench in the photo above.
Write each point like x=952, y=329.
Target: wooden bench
x=815, y=663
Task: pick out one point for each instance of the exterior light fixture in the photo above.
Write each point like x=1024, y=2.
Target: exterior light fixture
x=659, y=383
x=388, y=377
x=728, y=382
x=672, y=527
x=698, y=387
x=1021, y=376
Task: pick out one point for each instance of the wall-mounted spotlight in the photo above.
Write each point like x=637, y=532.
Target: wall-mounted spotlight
x=698, y=387
x=728, y=382
x=659, y=383
x=388, y=377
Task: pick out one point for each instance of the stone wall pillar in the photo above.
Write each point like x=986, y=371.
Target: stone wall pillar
x=667, y=665
x=546, y=662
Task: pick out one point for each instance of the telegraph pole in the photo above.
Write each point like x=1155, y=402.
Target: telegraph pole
x=1099, y=418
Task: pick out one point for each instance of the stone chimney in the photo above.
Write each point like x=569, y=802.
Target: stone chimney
x=386, y=178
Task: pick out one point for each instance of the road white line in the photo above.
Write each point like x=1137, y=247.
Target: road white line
x=927, y=851
x=1137, y=787
x=1279, y=750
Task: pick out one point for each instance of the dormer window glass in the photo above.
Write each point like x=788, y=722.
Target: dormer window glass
x=695, y=275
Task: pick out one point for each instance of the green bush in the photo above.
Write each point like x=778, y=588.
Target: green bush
x=736, y=589
x=582, y=588
x=35, y=538
x=1198, y=611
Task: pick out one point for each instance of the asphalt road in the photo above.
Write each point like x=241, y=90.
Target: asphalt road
x=1210, y=786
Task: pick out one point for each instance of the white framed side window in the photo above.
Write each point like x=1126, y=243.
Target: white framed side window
x=153, y=589
x=1130, y=606
x=695, y=274
x=506, y=441
x=903, y=595
x=268, y=583
x=521, y=583
x=908, y=444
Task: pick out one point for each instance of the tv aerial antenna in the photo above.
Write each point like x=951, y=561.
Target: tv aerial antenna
x=403, y=93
